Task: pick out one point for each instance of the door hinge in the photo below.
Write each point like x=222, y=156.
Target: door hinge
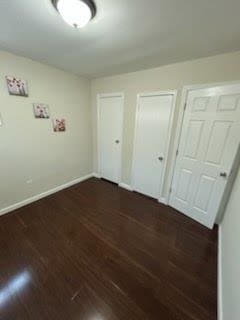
x=185, y=106
x=176, y=153
x=170, y=191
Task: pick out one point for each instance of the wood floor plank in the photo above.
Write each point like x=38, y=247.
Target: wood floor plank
x=98, y=251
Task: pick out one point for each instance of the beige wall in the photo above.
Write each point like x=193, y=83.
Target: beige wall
x=231, y=256
x=214, y=69
x=29, y=149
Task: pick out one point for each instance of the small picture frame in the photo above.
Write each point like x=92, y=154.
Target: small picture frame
x=17, y=87
x=59, y=125
x=41, y=111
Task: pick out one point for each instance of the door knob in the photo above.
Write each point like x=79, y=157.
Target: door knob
x=223, y=174
x=160, y=158
x=117, y=141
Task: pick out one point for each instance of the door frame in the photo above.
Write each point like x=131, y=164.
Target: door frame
x=169, y=135
x=109, y=95
x=184, y=96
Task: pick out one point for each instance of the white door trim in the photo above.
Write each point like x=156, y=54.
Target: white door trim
x=184, y=96
x=109, y=95
x=149, y=94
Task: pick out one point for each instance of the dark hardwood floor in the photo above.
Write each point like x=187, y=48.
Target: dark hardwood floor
x=98, y=252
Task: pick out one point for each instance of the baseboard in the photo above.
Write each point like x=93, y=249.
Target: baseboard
x=125, y=186
x=220, y=289
x=163, y=200
x=96, y=175
x=44, y=194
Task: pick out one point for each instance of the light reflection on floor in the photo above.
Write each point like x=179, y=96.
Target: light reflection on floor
x=15, y=285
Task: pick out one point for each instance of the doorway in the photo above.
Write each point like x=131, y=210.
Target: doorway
x=209, y=141
x=110, y=127
x=152, y=135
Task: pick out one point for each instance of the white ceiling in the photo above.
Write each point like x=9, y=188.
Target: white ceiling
x=126, y=35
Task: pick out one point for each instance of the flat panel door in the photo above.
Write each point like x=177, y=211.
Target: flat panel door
x=208, y=145
x=110, y=137
x=151, y=136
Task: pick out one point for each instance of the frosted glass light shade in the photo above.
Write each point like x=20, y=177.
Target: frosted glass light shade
x=76, y=13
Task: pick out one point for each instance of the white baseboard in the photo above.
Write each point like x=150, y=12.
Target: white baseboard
x=96, y=175
x=44, y=194
x=125, y=186
x=220, y=288
x=163, y=200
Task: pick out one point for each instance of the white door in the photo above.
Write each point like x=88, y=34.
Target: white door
x=110, y=121
x=152, y=133
x=208, y=145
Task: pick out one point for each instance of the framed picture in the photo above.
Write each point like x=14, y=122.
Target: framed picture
x=17, y=87
x=59, y=125
x=41, y=111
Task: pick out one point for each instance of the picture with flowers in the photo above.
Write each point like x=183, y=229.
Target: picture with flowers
x=41, y=111
x=59, y=125
x=17, y=87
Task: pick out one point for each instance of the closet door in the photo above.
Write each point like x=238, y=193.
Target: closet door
x=208, y=146
x=152, y=134
x=110, y=121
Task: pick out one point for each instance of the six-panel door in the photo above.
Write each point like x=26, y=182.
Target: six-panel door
x=209, y=141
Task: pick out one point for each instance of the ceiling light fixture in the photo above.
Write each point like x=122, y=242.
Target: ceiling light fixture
x=77, y=13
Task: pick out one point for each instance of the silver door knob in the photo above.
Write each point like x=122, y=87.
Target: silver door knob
x=223, y=174
x=160, y=158
x=117, y=141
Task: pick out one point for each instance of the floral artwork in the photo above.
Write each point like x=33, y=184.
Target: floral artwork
x=17, y=87
x=41, y=111
x=59, y=125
